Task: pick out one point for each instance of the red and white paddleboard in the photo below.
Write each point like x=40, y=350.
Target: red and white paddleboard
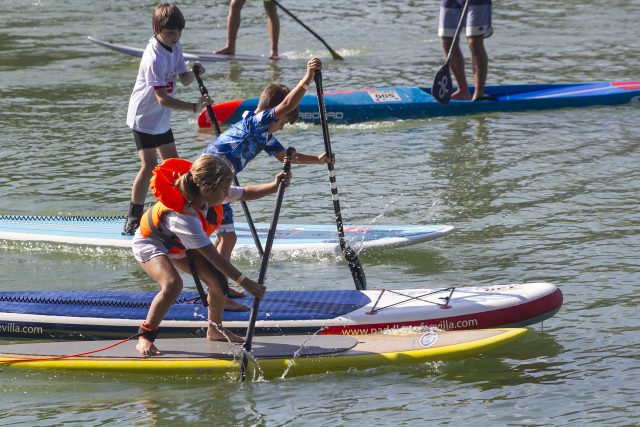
x=116, y=314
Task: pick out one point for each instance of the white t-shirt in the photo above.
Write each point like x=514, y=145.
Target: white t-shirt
x=188, y=228
x=159, y=67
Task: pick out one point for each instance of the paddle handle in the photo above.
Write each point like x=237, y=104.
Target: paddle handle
x=204, y=91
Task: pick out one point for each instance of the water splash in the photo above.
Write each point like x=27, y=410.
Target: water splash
x=292, y=361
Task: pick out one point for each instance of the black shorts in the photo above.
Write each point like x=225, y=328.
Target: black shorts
x=146, y=140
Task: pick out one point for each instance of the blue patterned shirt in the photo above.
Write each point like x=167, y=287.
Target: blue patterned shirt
x=246, y=139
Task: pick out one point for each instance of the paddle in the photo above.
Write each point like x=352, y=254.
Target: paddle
x=286, y=167
x=334, y=54
x=357, y=272
x=442, y=85
x=216, y=126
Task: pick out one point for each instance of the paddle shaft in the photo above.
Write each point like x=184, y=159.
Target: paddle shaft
x=442, y=85
x=216, y=126
x=286, y=167
x=334, y=54
x=357, y=272
x=196, y=278
x=457, y=34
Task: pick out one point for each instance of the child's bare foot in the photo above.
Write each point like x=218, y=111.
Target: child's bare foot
x=461, y=96
x=226, y=51
x=274, y=55
x=215, y=334
x=231, y=305
x=147, y=348
x=235, y=293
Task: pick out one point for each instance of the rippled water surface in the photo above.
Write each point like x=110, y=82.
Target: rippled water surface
x=534, y=196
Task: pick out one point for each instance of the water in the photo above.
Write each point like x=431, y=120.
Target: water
x=534, y=196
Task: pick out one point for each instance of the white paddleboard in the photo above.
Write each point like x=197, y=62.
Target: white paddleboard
x=106, y=231
x=203, y=56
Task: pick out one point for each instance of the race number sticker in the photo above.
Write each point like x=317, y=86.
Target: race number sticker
x=428, y=339
x=384, y=96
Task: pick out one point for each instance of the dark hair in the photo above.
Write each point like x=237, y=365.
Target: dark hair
x=167, y=16
x=272, y=96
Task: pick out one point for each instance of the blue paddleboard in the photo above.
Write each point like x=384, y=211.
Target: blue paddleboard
x=402, y=102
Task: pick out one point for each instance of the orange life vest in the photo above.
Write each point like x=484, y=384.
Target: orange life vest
x=170, y=199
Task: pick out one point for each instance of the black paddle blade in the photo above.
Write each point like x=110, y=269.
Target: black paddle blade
x=442, y=86
x=357, y=271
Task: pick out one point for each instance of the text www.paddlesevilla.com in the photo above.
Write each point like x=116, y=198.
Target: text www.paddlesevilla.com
x=444, y=325
x=17, y=329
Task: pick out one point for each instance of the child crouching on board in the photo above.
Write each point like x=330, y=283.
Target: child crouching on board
x=152, y=99
x=179, y=226
x=243, y=141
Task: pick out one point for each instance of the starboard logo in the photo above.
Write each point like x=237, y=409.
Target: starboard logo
x=336, y=115
x=428, y=339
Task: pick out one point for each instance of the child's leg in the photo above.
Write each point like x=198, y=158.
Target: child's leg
x=161, y=270
x=148, y=161
x=226, y=239
x=208, y=276
x=233, y=25
x=273, y=27
x=225, y=243
x=217, y=299
x=149, y=146
x=168, y=151
x=139, y=189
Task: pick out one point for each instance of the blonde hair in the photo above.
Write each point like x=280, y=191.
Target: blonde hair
x=207, y=174
x=272, y=96
x=167, y=16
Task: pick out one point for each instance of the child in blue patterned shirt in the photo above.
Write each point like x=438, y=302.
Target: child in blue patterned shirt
x=244, y=140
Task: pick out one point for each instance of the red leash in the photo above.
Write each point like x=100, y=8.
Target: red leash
x=46, y=359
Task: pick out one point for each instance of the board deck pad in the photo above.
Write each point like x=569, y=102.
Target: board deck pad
x=106, y=231
x=276, y=305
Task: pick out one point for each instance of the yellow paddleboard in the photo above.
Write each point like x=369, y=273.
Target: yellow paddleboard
x=274, y=356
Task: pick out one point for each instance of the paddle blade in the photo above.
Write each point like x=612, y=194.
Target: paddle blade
x=335, y=55
x=442, y=86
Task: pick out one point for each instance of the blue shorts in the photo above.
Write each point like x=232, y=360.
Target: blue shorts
x=227, y=220
x=478, y=22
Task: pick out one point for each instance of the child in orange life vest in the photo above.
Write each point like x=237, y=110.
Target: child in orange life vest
x=152, y=100
x=189, y=208
x=244, y=140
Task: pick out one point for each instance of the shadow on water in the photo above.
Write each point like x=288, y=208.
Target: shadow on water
x=465, y=161
x=527, y=360
x=418, y=260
